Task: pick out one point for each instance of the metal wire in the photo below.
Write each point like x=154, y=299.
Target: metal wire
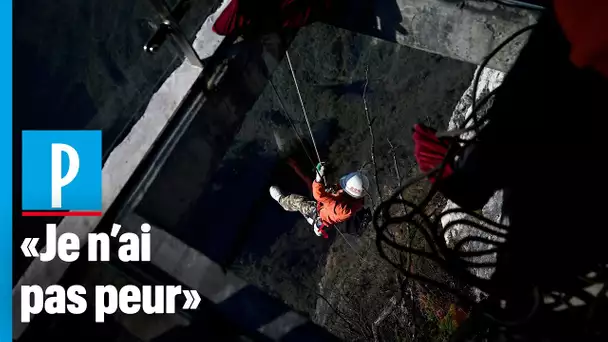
x=295, y=81
x=351, y=246
x=291, y=122
x=312, y=137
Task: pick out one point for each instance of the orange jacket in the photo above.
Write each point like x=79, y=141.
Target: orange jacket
x=334, y=207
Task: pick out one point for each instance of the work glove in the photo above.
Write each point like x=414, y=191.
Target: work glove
x=320, y=172
x=430, y=151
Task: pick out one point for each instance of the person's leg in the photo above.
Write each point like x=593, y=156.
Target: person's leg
x=293, y=202
x=299, y=203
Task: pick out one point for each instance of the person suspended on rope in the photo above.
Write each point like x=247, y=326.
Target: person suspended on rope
x=329, y=207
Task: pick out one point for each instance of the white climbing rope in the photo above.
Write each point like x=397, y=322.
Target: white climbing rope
x=295, y=81
x=312, y=137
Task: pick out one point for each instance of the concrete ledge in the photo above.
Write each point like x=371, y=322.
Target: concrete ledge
x=443, y=27
x=242, y=304
x=123, y=161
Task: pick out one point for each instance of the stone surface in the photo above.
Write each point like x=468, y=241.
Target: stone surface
x=489, y=80
x=464, y=30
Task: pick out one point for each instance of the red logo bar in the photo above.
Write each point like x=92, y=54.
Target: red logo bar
x=60, y=213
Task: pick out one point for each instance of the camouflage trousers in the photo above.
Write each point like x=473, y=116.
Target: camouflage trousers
x=299, y=203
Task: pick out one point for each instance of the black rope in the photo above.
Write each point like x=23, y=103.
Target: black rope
x=452, y=260
x=472, y=224
x=490, y=317
x=520, y=5
x=486, y=61
x=383, y=209
x=458, y=132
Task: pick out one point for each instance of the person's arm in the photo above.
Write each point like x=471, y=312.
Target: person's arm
x=318, y=192
x=318, y=188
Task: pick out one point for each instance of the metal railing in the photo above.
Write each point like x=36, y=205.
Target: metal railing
x=168, y=28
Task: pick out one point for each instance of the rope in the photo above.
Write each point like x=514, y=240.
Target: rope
x=520, y=4
x=452, y=260
x=485, y=62
x=351, y=246
x=312, y=137
x=291, y=122
x=295, y=81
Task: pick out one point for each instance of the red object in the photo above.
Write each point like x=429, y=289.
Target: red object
x=460, y=316
x=323, y=232
x=334, y=207
x=585, y=25
x=430, y=151
x=230, y=19
x=241, y=16
x=296, y=168
x=60, y=213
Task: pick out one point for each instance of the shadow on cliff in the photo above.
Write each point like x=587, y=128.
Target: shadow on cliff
x=380, y=18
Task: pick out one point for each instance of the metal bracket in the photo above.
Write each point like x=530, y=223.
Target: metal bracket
x=169, y=28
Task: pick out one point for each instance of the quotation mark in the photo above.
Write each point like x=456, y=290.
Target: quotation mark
x=28, y=247
x=192, y=299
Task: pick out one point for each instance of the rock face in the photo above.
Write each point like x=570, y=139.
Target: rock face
x=463, y=30
x=405, y=86
x=488, y=81
x=341, y=290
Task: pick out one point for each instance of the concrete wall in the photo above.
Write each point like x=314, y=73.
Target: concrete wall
x=183, y=179
x=464, y=30
x=81, y=65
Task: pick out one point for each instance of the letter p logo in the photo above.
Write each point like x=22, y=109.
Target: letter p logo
x=61, y=172
x=57, y=180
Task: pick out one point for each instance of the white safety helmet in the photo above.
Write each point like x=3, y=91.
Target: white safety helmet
x=355, y=184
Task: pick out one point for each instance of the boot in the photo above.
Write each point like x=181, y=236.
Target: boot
x=313, y=223
x=275, y=193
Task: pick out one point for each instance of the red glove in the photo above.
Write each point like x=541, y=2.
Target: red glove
x=430, y=151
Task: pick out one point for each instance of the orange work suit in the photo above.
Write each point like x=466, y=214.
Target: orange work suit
x=336, y=207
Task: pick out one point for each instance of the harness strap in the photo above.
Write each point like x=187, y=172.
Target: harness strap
x=321, y=228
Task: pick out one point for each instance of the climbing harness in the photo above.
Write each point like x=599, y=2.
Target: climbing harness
x=318, y=224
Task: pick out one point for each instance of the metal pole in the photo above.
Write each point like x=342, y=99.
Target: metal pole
x=169, y=26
